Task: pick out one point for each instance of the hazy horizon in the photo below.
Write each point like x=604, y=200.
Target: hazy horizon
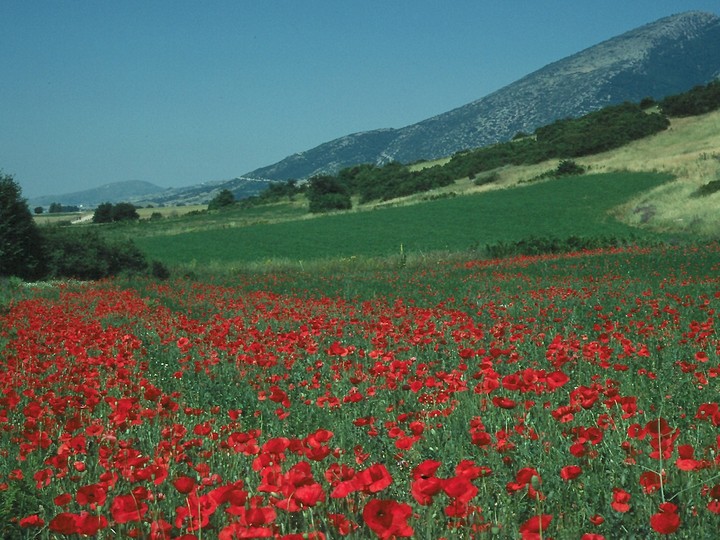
x=176, y=94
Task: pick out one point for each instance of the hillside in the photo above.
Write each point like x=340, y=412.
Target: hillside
x=689, y=151
x=145, y=193
x=113, y=192
x=666, y=57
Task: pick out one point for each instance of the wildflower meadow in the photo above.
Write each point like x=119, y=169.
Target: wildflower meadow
x=559, y=396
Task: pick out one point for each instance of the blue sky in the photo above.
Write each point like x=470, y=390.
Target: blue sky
x=181, y=92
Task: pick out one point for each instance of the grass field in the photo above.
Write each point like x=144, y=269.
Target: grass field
x=573, y=206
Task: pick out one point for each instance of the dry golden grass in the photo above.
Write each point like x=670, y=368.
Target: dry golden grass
x=62, y=218
x=689, y=150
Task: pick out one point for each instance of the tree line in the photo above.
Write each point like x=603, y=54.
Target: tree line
x=32, y=253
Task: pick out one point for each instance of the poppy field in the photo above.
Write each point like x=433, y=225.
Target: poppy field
x=565, y=396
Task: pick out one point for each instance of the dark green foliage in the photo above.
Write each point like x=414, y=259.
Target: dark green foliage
x=108, y=212
x=600, y=131
x=57, y=208
x=20, y=241
x=19, y=498
x=519, y=152
x=708, y=189
x=159, y=270
x=699, y=100
x=373, y=183
x=567, y=167
x=103, y=213
x=86, y=255
x=124, y=211
x=222, y=200
x=39, y=210
x=278, y=191
x=647, y=102
x=326, y=193
x=275, y=192
x=484, y=179
x=543, y=245
x=596, y=132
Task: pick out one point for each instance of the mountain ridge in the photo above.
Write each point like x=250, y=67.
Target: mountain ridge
x=139, y=192
x=668, y=56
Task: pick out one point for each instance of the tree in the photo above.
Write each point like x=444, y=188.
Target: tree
x=326, y=193
x=222, y=200
x=107, y=212
x=39, y=210
x=124, y=211
x=55, y=208
x=21, y=246
x=103, y=213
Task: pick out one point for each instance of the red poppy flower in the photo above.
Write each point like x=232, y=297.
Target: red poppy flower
x=650, y=481
x=621, y=500
x=63, y=499
x=32, y=521
x=373, y=479
x=423, y=489
x=64, y=523
x=535, y=528
x=127, y=508
x=503, y=402
x=570, y=472
x=89, y=524
x=714, y=504
x=94, y=494
x=388, y=518
x=184, y=484
x=342, y=524
x=459, y=488
x=666, y=521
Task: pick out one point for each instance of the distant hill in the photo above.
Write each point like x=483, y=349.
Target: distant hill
x=242, y=188
x=666, y=57
x=113, y=192
x=144, y=193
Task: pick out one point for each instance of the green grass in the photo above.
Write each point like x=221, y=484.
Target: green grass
x=577, y=206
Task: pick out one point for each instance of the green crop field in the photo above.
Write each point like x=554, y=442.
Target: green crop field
x=572, y=206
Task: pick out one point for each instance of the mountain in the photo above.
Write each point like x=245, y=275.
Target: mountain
x=666, y=57
x=242, y=188
x=113, y=192
x=144, y=193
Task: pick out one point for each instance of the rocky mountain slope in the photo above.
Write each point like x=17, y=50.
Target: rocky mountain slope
x=666, y=57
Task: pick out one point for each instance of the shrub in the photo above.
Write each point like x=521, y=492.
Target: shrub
x=107, y=212
x=699, y=100
x=222, y=200
x=326, y=194
x=486, y=178
x=546, y=245
x=568, y=167
x=86, y=255
x=159, y=270
x=707, y=189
